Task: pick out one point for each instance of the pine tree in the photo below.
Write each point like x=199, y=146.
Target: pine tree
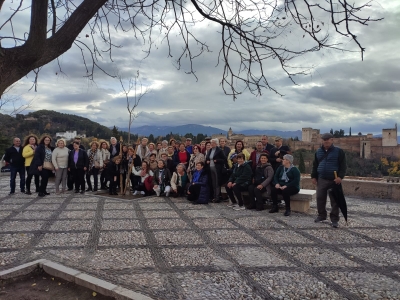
x=115, y=132
x=331, y=131
x=302, y=166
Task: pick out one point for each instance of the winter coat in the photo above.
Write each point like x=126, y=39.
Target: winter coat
x=272, y=157
x=293, y=176
x=220, y=158
x=179, y=180
x=38, y=159
x=117, y=149
x=242, y=174
x=28, y=153
x=177, y=161
x=14, y=157
x=244, y=151
x=264, y=175
x=253, y=158
x=204, y=195
x=83, y=160
x=165, y=179
x=97, y=157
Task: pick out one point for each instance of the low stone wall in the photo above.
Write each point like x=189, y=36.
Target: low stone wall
x=363, y=188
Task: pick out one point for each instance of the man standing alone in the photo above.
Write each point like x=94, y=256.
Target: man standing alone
x=328, y=159
x=17, y=165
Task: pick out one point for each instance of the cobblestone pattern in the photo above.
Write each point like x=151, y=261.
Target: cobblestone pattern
x=169, y=249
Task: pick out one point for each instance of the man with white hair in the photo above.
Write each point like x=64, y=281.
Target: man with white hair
x=115, y=147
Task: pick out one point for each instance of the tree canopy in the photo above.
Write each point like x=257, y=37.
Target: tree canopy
x=252, y=33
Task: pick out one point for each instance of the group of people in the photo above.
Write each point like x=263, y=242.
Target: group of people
x=175, y=168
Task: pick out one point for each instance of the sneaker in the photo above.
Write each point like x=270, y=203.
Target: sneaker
x=319, y=219
x=167, y=194
x=142, y=193
x=135, y=193
x=158, y=194
x=335, y=224
x=232, y=205
x=237, y=207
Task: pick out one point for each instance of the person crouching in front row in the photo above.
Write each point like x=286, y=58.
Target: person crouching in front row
x=286, y=182
x=143, y=173
x=198, y=191
x=162, y=179
x=179, y=181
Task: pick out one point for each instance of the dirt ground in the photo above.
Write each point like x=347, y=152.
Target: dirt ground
x=41, y=286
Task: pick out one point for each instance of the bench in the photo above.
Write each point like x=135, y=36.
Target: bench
x=299, y=202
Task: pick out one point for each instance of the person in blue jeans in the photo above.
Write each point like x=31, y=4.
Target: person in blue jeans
x=17, y=165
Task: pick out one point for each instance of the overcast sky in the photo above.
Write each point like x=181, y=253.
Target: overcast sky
x=341, y=91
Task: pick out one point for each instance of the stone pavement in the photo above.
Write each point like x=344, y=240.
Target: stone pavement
x=170, y=249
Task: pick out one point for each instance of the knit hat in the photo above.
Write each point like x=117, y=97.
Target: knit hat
x=233, y=156
x=289, y=158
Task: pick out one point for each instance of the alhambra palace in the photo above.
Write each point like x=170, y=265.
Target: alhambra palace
x=367, y=146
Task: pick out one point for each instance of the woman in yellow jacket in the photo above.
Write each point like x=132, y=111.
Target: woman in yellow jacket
x=28, y=152
x=239, y=148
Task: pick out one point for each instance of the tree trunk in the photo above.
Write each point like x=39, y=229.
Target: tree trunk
x=38, y=50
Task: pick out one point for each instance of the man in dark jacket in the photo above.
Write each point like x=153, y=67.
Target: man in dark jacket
x=276, y=154
x=17, y=165
x=70, y=178
x=239, y=182
x=328, y=160
x=215, y=161
x=267, y=146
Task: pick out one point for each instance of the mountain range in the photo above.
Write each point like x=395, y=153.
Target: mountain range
x=206, y=130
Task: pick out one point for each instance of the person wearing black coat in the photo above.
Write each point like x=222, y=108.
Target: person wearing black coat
x=70, y=178
x=114, y=169
x=42, y=153
x=78, y=163
x=115, y=147
x=276, y=154
x=17, y=162
x=215, y=161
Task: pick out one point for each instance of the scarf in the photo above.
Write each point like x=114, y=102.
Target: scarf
x=284, y=175
x=91, y=158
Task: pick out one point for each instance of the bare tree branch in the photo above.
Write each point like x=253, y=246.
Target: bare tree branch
x=134, y=86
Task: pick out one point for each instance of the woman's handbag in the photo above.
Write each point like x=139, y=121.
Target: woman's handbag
x=96, y=164
x=48, y=166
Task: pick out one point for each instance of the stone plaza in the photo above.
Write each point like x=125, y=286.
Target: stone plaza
x=167, y=248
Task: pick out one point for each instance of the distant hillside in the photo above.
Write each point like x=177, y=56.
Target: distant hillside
x=206, y=130
x=49, y=121
x=181, y=130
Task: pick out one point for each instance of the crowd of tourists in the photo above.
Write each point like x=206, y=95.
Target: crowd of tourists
x=171, y=168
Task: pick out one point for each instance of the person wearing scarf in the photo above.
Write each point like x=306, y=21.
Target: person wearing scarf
x=162, y=179
x=95, y=164
x=286, y=182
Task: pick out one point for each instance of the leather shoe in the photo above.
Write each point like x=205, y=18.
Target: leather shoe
x=287, y=213
x=41, y=194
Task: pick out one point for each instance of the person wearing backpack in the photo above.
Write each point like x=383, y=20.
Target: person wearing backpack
x=328, y=159
x=263, y=176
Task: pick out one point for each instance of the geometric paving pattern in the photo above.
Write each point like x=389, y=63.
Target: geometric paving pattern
x=167, y=248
